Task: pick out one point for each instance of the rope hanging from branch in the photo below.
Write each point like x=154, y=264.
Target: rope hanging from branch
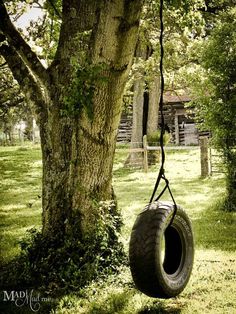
x=161, y=174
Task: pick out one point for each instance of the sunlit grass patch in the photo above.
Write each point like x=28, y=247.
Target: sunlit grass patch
x=11, y=207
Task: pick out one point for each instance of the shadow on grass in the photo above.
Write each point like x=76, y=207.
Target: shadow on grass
x=18, y=297
x=158, y=309
x=124, y=303
x=155, y=310
x=125, y=171
x=8, y=307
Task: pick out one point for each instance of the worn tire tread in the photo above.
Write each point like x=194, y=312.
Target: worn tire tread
x=145, y=237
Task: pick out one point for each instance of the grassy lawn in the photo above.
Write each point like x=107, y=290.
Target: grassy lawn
x=212, y=286
x=20, y=193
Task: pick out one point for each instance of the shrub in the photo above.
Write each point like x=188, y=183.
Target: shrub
x=69, y=263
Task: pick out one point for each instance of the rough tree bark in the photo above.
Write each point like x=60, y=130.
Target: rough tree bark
x=153, y=104
x=135, y=158
x=143, y=123
x=77, y=150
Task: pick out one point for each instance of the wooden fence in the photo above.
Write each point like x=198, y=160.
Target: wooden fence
x=207, y=158
x=146, y=148
x=211, y=159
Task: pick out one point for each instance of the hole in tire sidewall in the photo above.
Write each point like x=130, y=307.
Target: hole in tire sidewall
x=178, y=280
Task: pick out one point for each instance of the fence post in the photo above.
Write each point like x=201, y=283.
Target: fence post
x=210, y=161
x=176, y=129
x=204, y=156
x=145, y=154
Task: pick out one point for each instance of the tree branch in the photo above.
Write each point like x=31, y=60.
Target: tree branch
x=17, y=41
x=22, y=74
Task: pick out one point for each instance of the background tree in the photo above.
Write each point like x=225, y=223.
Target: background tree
x=77, y=102
x=184, y=24
x=216, y=107
x=12, y=104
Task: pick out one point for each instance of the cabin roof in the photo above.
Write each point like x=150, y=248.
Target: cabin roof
x=172, y=99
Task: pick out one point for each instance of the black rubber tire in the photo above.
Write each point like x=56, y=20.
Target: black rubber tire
x=153, y=275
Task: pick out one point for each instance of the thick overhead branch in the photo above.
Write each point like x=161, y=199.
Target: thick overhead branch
x=22, y=74
x=17, y=41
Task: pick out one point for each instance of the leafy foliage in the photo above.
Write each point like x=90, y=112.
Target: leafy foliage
x=13, y=106
x=70, y=263
x=154, y=138
x=216, y=106
x=82, y=89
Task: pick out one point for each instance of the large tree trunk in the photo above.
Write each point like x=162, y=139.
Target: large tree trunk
x=77, y=161
x=78, y=107
x=78, y=151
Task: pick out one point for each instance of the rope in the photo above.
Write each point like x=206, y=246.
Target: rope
x=161, y=174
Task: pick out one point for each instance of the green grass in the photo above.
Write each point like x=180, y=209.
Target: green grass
x=199, y=197
x=211, y=289
x=20, y=194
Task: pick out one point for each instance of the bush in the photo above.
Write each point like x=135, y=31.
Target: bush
x=154, y=138
x=69, y=263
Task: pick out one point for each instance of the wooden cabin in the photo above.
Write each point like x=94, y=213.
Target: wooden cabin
x=179, y=122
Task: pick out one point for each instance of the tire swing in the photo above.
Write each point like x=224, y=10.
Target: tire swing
x=161, y=248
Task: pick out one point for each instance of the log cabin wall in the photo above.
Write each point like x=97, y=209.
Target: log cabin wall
x=179, y=123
